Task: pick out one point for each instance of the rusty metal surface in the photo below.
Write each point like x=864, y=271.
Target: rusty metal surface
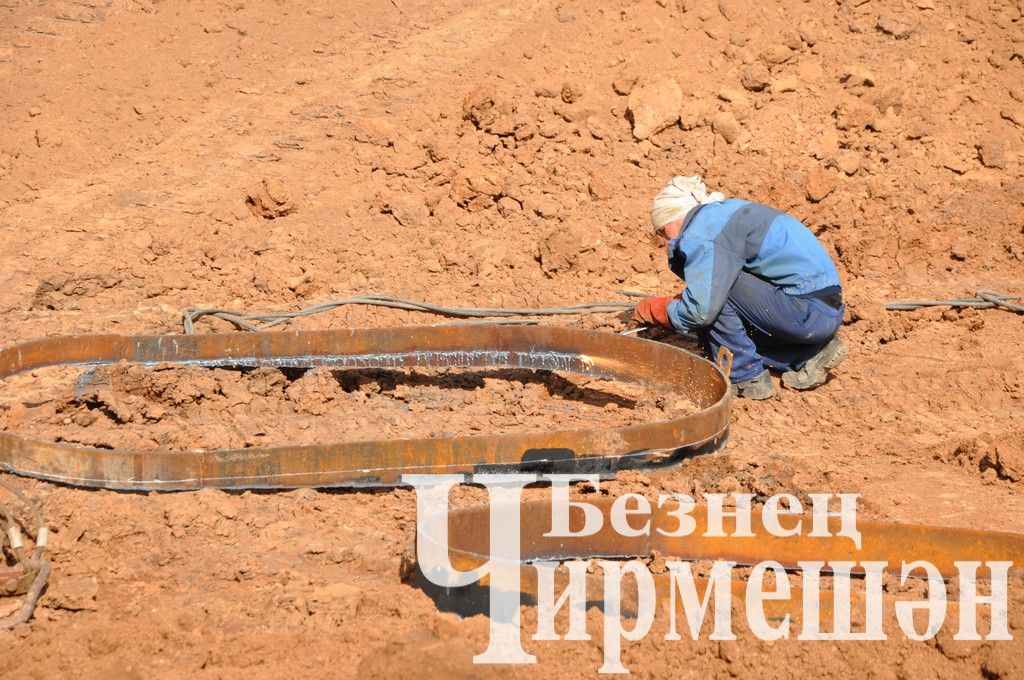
x=892, y=543
x=469, y=540
x=381, y=463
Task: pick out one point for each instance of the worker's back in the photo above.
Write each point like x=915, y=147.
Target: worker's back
x=771, y=244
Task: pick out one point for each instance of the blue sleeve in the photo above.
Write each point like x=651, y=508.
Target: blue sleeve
x=710, y=273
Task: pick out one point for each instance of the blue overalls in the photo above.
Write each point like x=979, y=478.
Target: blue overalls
x=758, y=282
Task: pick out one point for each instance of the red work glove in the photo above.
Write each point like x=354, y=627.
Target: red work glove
x=653, y=311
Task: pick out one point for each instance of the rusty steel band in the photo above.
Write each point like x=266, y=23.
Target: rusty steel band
x=382, y=462
x=469, y=548
x=891, y=543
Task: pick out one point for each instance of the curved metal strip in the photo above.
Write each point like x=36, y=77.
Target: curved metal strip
x=469, y=548
x=381, y=463
x=880, y=541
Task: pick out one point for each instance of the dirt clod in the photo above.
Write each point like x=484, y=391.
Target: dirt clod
x=896, y=25
x=992, y=153
x=270, y=199
x=756, y=77
x=653, y=106
x=727, y=126
x=818, y=184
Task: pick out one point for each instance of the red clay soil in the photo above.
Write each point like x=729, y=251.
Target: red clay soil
x=268, y=155
x=128, y=406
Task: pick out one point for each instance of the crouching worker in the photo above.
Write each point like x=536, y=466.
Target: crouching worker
x=757, y=281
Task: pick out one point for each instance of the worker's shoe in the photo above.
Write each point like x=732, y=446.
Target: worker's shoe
x=815, y=371
x=758, y=387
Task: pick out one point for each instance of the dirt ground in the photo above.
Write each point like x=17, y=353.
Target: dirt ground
x=129, y=406
x=268, y=155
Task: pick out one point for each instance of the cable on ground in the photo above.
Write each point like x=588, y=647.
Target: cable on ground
x=984, y=299
x=260, y=321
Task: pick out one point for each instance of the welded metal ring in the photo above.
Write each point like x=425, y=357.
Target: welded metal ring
x=381, y=463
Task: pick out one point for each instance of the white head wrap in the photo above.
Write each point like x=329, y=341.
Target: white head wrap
x=677, y=198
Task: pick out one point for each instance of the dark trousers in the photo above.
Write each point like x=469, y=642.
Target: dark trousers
x=766, y=328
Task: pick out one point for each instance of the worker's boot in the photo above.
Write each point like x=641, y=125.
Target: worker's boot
x=758, y=387
x=815, y=371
